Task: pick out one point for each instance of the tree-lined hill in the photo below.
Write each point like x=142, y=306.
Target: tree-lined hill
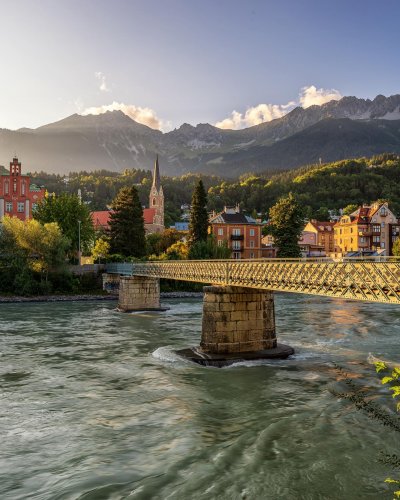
x=319, y=187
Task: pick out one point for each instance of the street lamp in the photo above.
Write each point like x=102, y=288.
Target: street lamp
x=79, y=242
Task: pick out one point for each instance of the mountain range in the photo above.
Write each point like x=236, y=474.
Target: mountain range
x=349, y=127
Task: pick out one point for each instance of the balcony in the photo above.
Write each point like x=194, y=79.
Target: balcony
x=365, y=232
x=237, y=237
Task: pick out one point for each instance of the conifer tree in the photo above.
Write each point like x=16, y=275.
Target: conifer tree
x=286, y=225
x=198, y=226
x=127, y=235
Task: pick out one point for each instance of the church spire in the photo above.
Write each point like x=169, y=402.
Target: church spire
x=156, y=175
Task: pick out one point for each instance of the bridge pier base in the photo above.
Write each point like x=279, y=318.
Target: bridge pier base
x=139, y=293
x=238, y=324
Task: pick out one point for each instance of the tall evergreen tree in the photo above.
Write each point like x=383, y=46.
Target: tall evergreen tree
x=198, y=226
x=127, y=236
x=286, y=225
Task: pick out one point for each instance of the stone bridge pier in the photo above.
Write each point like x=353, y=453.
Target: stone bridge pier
x=238, y=324
x=139, y=293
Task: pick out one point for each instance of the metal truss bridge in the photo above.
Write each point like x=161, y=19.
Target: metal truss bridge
x=357, y=279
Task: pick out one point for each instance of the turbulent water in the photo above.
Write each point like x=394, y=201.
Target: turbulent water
x=95, y=405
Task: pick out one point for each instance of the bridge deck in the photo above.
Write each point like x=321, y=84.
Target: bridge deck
x=358, y=279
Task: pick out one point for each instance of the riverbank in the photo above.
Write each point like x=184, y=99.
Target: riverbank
x=83, y=297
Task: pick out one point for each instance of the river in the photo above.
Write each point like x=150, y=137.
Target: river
x=96, y=405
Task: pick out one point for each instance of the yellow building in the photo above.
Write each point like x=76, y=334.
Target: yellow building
x=369, y=229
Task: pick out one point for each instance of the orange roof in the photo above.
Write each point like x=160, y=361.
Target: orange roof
x=102, y=217
x=148, y=215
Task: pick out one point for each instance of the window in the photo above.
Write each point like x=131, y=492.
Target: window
x=251, y=243
x=15, y=185
x=383, y=211
x=220, y=231
x=362, y=240
x=220, y=243
x=6, y=187
x=376, y=228
x=236, y=232
x=236, y=245
x=251, y=255
x=21, y=206
x=251, y=232
x=383, y=225
x=382, y=245
x=236, y=255
x=9, y=206
x=376, y=239
x=23, y=188
x=154, y=201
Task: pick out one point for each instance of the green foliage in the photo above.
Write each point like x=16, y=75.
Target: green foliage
x=158, y=243
x=67, y=210
x=396, y=248
x=198, y=226
x=209, y=250
x=286, y=224
x=127, y=235
x=349, y=209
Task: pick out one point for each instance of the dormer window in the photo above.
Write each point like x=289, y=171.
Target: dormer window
x=383, y=211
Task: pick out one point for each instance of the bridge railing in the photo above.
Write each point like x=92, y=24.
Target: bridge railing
x=353, y=278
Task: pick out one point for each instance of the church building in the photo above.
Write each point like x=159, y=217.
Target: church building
x=18, y=196
x=153, y=216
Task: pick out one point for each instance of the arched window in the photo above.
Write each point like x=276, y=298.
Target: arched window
x=154, y=201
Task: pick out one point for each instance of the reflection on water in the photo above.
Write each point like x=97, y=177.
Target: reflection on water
x=96, y=405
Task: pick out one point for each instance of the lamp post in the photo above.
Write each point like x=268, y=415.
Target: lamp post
x=79, y=242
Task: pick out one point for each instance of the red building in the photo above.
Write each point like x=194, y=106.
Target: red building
x=18, y=197
x=241, y=233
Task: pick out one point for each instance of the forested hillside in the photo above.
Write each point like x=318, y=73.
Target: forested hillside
x=319, y=187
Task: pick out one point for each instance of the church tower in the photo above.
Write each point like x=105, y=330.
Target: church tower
x=156, y=200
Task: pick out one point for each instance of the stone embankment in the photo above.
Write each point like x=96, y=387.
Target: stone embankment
x=83, y=298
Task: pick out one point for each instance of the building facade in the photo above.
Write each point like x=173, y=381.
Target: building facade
x=153, y=216
x=18, y=197
x=324, y=234
x=241, y=233
x=369, y=230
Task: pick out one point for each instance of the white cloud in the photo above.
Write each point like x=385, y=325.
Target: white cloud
x=145, y=116
x=102, y=81
x=266, y=112
x=310, y=96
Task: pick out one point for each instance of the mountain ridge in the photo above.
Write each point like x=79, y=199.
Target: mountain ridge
x=115, y=141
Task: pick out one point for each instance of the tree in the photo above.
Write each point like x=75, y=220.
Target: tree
x=39, y=247
x=396, y=248
x=158, y=243
x=349, y=209
x=198, y=226
x=101, y=249
x=127, y=235
x=209, y=250
x=67, y=210
x=286, y=224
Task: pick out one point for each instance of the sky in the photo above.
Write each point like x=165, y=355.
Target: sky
x=232, y=63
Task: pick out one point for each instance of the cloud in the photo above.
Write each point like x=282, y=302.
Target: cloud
x=261, y=113
x=255, y=115
x=311, y=96
x=145, y=116
x=102, y=81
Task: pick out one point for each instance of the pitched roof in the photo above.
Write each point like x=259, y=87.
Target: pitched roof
x=148, y=215
x=232, y=218
x=102, y=217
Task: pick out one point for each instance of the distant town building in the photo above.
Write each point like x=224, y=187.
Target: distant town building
x=153, y=216
x=180, y=226
x=309, y=246
x=18, y=197
x=368, y=230
x=241, y=233
x=324, y=232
